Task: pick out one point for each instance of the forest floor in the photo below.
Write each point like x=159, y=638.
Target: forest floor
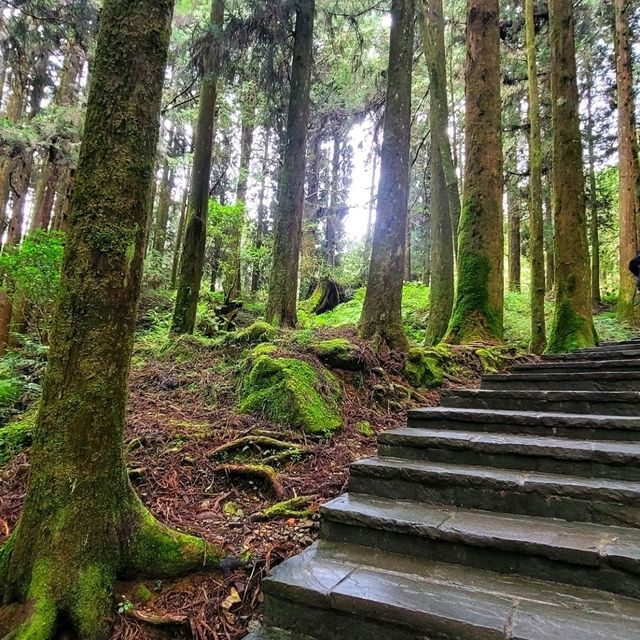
x=183, y=405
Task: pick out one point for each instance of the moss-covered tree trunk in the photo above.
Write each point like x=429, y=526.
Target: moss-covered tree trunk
x=233, y=285
x=283, y=286
x=381, y=319
x=175, y=263
x=536, y=216
x=432, y=20
x=445, y=197
x=82, y=525
x=478, y=310
x=629, y=191
x=572, y=325
x=195, y=235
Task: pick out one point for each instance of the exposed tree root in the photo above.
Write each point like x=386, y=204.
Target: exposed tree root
x=260, y=471
x=286, y=449
x=294, y=508
x=160, y=621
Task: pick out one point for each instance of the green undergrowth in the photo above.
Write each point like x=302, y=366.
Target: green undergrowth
x=17, y=435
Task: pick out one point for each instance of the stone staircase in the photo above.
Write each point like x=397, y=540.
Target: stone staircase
x=510, y=512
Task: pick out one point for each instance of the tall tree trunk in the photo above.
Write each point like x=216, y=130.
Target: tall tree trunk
x=333, y=212
x=514, y=250
x=308, y=257
x=283, y=286
x=256, y=276
x=478, y=310
x=572, y=325
x=15, y=109
x=164, y=201
x=372, y=197
x=382, y=311
x=428, y=250
x=536, y=219
x=83, y=526
x=593, y=192
x=441, y=290
x=179, y=237
x=550, y=262
x=628, y=162
x=432, y=20
x=233, y=286
x=195, y=237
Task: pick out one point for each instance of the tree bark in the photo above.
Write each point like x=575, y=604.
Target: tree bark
x=572, y=325
x=550, y=263
x=514, y=248
x=164, y=201
x=381, y=319
x=593, y=192
x=83, y=526
x=283, y=286
x=629, y=191
x=441, y=290
x=432, y=20
x=179, y=237
x=536, y=219
x=233, y=286
x=256, y=276
x=195, y=237
x=333, y=213
x=478, y=311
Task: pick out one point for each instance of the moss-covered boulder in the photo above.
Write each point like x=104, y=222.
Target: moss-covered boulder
x=339, y=353
x=255, y=334
x=423, y=368
x=292, y=392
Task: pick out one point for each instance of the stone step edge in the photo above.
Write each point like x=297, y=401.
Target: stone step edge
x=618, y=547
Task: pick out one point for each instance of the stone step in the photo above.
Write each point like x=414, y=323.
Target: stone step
x=612, y=403
x=569, y=381
x=563, y=425
x=587, y=366
x=611, y=346
x=333, y=592
x=595, y=354
x=615, y=460
x=581, y=554
x=578, y=499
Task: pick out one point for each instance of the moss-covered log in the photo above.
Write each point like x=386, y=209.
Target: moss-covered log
x=82, y=525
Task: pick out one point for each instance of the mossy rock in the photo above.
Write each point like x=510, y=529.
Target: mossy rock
x=339, y=353
x=256, y=333
x=423, y=368
x=17, y=436
x=364, y=428
x=292, y=392
x=491, y=359
x=264, y=349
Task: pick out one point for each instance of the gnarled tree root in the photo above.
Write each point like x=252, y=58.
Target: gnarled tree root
x=259, y=471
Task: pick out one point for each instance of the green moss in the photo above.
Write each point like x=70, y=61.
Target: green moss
x=255, y=333
x=293, y=508
x=569, y=330
x=423, y=368
x=92, y=601
x=292, y=392
x=143, y=594
x=339, y=353
x=159, y=551
x=264, y=349
x=17, y=436
x=473, y=319
x=491, y=359
x=42, y=622
x=364, y=428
